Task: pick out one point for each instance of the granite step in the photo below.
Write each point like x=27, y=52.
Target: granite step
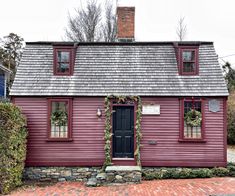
x=117, y=175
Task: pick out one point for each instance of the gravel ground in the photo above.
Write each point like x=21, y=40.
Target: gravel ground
x=231, y=154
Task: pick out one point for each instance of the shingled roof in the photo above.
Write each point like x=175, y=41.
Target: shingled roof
x=145, y=69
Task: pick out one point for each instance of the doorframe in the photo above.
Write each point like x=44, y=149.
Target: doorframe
x=123, y=161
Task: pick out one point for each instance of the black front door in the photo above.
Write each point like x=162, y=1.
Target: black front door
x=123, y=132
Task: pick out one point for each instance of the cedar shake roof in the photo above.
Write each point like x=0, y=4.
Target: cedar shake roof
x=138, y=68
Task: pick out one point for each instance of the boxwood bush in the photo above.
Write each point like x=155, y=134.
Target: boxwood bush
x=231, y=168
x=231, y=118
x=12, y=146
x=179, y=173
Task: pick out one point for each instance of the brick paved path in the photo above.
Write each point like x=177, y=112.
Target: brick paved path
x=192, y=187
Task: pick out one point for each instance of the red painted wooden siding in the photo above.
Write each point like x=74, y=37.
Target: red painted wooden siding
x=168, y=151
x=87, y=147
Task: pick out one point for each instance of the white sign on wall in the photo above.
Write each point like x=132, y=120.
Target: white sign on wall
x=151, y=109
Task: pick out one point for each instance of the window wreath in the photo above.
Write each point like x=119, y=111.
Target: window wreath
x=193, y=118
x=59, y=118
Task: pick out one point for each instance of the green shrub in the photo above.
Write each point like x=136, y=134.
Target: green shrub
x=231, y=168
x=203, y=173
x=220, y=171
x=231, y=118
x=12, y=146
x=179, y=173
x=167, y=173
x=149, y=176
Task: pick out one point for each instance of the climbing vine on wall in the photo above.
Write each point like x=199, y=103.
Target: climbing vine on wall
x=108, y=127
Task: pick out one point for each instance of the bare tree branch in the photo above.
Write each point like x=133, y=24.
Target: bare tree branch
x=85, y=26
x=110, y=25
x=181, y=29
x=88, y=26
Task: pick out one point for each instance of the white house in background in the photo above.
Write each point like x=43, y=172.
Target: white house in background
x=4, y=74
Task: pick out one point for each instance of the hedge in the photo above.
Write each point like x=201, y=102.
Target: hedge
x=231, y=118
x=182, y=173
x=12, y=146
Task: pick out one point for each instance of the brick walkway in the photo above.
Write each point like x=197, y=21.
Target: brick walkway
x=192, y=187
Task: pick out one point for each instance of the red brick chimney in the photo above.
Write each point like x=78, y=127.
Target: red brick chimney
x=126, y=24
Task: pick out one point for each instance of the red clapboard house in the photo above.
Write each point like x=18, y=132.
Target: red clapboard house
x=172, y=78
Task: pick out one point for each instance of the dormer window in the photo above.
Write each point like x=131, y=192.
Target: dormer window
x=63, y=60
x=188, y=60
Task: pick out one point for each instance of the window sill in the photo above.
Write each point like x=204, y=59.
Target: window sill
x=189, y=74
x=62, y=74
x=59, y=140
x=192, y=140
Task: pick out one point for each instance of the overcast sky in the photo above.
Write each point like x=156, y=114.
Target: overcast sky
x=156, y=20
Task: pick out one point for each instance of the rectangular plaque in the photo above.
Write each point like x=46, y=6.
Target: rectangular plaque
x=152, y=142
x=151, y=109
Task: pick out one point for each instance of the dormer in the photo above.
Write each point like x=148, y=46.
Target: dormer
x=187, y=59
x=64, y=57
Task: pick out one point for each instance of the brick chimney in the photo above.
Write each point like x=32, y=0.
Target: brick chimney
x=126, y=24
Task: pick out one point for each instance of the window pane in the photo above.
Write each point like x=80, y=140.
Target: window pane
x=62, y=56
x=63, y=67
x=192, y=132
x=188, y=67
x=59, y=120
x=188, y=55
x=197, y=106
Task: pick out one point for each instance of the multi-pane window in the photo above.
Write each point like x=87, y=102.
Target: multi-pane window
x=189, y=61
x=59, y=119
x=192, y=132
x=188, y=58
x=63, y=61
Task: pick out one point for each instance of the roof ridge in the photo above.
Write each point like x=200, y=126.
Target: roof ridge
x=122, y=43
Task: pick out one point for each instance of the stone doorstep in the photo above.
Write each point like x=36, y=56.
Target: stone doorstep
x=116, y=174
x=122, y=168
